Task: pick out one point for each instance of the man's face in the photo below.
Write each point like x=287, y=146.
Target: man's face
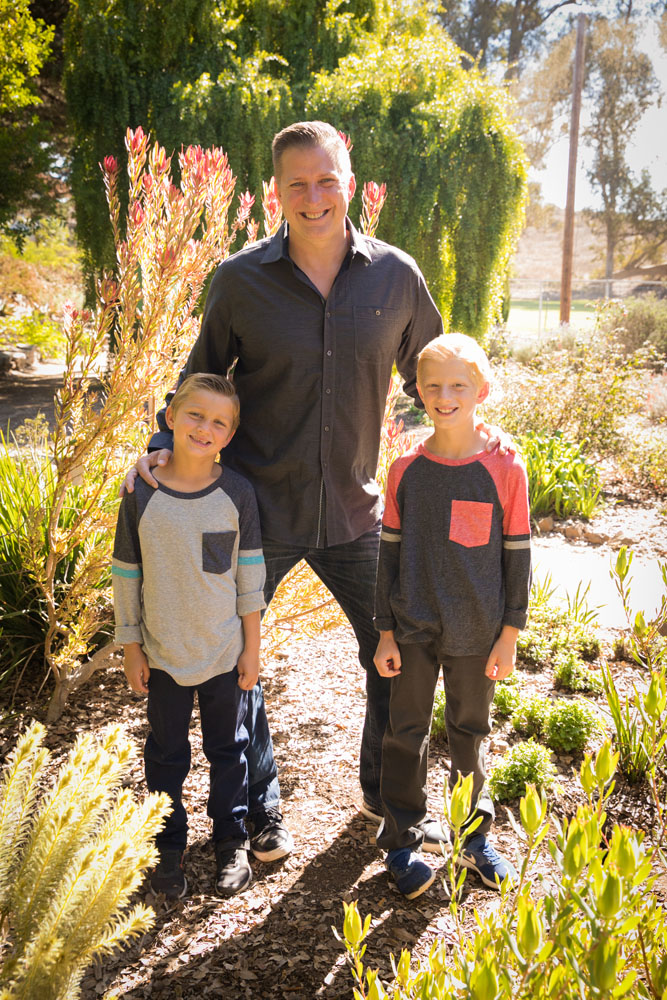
x=314, y=192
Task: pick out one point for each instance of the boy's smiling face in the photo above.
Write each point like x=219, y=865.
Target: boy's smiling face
x=450, y=393
x=203, y=424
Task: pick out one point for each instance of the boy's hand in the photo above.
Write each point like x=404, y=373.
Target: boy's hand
x=502, y=657
x=387, y=657
x=248, y=670
x=142, y=467
x=497, y=438
x=136, y=667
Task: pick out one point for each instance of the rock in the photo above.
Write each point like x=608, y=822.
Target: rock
x=621, y=539
x=574, y=531
x=31, y=352
x=18, y=359
x=545, y=524
x=595, y=537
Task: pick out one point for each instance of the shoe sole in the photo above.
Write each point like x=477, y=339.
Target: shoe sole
x=420, y=890
x=471, y=866
x=181, y=895
x=275, y=855
x=441, y=847
x=226, y=892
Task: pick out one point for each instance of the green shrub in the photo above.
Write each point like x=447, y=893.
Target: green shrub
x=530, y=715
x=554, y=630
x=572, y=674
x=643, y=457
x=525, y=763
x=560, y=479
x=438, y=727
x=72, y=854
x=38, y=329
x=639, y=724
x=638, y=322
x=506, y=698
x=584, y=394
x=596, y=929
x=570, y=725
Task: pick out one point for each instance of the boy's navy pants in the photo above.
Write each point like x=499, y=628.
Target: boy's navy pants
x=222, y=708
x=468, y=693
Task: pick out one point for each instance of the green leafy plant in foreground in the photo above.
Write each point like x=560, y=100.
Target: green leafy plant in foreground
x=648, y=644
x=554, y=630
x=561, y=480
x=71, y=856
x=570, y=725
x=597, y=931
x=572, y=674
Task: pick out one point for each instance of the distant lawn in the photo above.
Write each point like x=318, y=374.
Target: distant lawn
x=524, y=316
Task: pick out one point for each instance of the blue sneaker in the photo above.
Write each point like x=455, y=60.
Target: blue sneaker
x=412, y=875
x=482, y=857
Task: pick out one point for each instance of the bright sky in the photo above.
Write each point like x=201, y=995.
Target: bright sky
x=648, y=149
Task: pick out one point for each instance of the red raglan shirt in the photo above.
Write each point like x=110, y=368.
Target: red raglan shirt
x=454, y=561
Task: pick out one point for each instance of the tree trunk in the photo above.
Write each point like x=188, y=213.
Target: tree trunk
x=65, y=685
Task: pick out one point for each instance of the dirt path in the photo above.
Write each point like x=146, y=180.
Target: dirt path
x=24, y=394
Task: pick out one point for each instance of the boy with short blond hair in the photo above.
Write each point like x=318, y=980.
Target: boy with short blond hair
x=188, y=576
x=453, y=585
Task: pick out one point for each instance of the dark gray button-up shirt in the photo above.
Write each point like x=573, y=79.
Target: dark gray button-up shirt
x=312, y=376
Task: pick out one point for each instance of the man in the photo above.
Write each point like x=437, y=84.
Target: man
x=313, y=319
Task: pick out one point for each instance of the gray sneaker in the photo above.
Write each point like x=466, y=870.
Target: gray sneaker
x=232, y=869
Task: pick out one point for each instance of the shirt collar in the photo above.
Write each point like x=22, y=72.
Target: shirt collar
x=278, y=245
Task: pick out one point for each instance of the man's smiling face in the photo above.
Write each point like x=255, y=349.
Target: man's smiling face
x=314, y=192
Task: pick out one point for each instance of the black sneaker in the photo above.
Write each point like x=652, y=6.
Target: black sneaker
x=168, y=878
x=270, y=839
x=232, y=868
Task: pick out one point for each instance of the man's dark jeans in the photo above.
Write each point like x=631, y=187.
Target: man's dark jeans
x=222, y=709
x=349, y=571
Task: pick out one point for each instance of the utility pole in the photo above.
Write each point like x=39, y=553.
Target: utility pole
x=568, y=232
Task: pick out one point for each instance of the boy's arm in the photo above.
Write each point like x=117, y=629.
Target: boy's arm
x=502, y=657
x=387, y=658
x=250, y=568
x=136, y=667
x=248, y=664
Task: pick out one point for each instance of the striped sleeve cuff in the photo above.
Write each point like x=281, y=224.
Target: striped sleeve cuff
x=516, y=541
x=128, y=571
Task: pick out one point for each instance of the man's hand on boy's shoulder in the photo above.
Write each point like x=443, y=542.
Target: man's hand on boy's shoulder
x=502, y=657
x=497, y=438
x=248, y=670
x=387, y=657
x=136, y=667
x=142, y=468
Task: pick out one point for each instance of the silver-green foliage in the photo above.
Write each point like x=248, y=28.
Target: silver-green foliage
x=70, y=859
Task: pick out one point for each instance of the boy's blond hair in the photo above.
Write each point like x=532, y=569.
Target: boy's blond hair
x=206, y=382
x=457, y=345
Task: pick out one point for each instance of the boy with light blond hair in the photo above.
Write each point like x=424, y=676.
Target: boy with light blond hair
x=452, y=592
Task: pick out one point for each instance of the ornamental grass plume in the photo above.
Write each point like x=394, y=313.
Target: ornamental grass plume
x=70, y=860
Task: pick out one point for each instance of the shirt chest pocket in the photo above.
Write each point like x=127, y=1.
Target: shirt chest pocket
x=216, y=551
x=470, y=523
x=377, y=333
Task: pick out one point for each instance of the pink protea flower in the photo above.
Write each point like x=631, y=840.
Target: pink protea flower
x=136, y=141
x=137, y=214
x=346, y=139
x=372, y=198
x=271, y=205
x=246, y=201
x=109, y=164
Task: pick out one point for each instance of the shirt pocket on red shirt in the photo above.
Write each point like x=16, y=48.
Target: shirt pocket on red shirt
x=470, y=523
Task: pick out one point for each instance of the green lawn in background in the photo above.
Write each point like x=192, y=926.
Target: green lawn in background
x=525, y=315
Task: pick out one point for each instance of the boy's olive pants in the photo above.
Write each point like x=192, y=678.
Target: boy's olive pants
x=468, y=694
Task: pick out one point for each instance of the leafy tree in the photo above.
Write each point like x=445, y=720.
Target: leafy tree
x=24, y=46
x=620, y=86
x=498, y=30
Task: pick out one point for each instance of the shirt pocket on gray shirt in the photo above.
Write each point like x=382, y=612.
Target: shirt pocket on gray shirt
x=216, y=551
x=377, y=333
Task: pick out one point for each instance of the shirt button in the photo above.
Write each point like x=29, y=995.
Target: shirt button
x=328, y=392
x=377, y=312
x=326, y=427
x=329, y=354
x=328, y=315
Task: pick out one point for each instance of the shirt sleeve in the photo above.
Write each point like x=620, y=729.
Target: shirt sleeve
x=127, y=574
x=250, y=570
x=425, y=324
x=390, y=553
x=517, y=570
x=214, y=350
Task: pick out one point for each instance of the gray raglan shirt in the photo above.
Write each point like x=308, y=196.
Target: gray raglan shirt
x=186, y=568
